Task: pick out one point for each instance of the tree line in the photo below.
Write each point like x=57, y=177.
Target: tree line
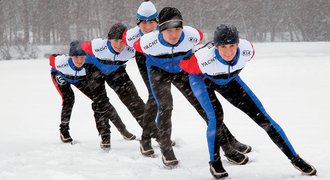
x=54, y=22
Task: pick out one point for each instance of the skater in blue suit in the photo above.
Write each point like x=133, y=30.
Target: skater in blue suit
x=216, y=68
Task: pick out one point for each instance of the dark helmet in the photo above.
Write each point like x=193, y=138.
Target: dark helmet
x=169, y=17
x=116, y=31
x=225, y=34
x=75, y=49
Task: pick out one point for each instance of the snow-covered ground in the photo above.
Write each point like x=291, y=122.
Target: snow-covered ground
x=292, y=80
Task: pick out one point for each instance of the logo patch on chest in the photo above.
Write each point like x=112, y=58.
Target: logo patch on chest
x=131, y=50
x=62, y=65
x=208, y=62
x=193, y=39
x=246, y=53
x=100, y=49
x=149, y=45
x=133, y=37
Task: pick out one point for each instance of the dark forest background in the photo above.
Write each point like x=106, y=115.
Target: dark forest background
x=25, y=24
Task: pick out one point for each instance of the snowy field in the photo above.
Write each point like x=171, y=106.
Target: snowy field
x=292, y=80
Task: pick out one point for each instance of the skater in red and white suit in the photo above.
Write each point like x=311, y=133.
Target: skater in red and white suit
x=68, y=71
x=108, y=66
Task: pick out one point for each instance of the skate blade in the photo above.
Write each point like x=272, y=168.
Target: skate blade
x=170, y=167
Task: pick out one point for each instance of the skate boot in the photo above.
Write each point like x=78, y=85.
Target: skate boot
x=146, y=148
x=233, y=155
x=127, y=135
x=65, y=135
x=236, y=157
x=217, y=169
x=303, y=166
x=169, y=158
x=172, y=141
x=227, y=137
x=240, y=147
x=105, y=142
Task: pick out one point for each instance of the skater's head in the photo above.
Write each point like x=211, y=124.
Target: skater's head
x=116, y=31
x=225, y=34
x=170, y=24
x=77, y=54
x=115, y=36
x=147, y=17
x=75, y=49
x=170, y=17
x=226, y=39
